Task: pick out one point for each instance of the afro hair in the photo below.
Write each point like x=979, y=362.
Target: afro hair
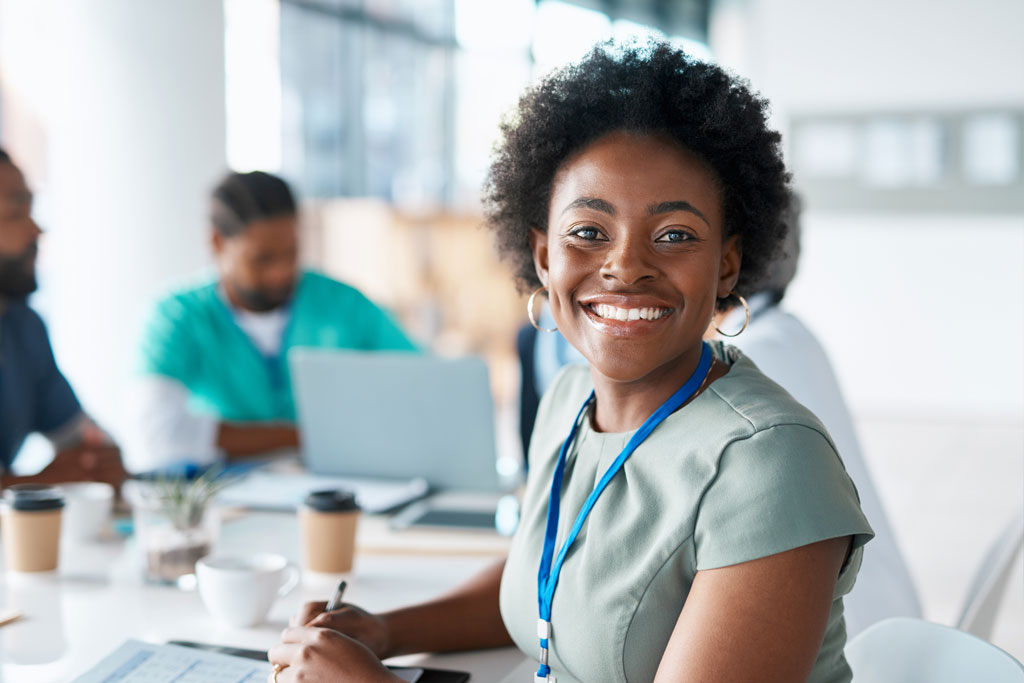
x=652, y=89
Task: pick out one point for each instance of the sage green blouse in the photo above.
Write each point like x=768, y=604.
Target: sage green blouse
x=740, y=473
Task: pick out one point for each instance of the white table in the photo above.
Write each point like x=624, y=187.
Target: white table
x=97, y=599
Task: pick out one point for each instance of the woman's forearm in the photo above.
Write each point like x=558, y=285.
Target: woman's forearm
x=468, y=618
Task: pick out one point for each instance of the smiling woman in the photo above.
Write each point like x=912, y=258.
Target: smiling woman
x=709, y=528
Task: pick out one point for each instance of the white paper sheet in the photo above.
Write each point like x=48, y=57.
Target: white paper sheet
x=138, y=662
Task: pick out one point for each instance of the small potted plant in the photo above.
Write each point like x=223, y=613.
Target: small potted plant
x=175, y=522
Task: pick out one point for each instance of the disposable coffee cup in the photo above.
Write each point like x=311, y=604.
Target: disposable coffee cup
x=30, y=515
x=87, y=509
x=327, y=520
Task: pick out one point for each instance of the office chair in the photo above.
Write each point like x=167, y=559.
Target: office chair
x=529, y=396
x=984, y=597
x=904, y=650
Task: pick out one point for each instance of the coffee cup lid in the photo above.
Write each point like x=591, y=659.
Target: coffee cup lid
x=33, y=497
x=331, y=500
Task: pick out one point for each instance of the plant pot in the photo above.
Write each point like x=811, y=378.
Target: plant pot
x=168, y=541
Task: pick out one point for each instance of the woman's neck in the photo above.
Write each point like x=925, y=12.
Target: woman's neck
x=624, y=406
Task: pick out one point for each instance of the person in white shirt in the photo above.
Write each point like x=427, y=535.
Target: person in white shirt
x=785, y=350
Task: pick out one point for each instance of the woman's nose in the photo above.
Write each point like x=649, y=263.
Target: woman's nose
x=628, y=262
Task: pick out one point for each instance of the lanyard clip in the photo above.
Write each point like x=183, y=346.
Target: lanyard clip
x=543, y=674
x=543, y=629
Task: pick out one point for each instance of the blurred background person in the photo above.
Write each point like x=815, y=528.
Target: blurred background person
x=34, y=395
x=214, y=368
x=784, y=349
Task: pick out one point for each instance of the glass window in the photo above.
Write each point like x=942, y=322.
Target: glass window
x=365, y=98
x=402, y=99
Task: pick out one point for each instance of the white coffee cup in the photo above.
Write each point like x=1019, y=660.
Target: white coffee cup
x=87, y=507
x=239, y=589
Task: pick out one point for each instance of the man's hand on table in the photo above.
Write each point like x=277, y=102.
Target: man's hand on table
x=87, y=462
x=81, y=462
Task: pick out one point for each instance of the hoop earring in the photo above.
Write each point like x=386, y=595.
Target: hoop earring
x=529, y=311
x=746, y=321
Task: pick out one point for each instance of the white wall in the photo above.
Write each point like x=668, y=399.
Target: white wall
x=923, y=314
x=117, y=108
x=914, y=307
x=817, y=55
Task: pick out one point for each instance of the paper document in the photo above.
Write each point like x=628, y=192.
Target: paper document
x=138, y=662
x=271, y=490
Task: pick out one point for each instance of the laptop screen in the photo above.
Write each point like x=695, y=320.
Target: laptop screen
x=396, y=415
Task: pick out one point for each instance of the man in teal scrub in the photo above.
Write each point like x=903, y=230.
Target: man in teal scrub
x=215, y=378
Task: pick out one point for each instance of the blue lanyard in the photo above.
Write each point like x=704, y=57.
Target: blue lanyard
x=547, y=575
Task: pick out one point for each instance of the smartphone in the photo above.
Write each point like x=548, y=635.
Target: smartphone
x=408, y=673
x=429, y=513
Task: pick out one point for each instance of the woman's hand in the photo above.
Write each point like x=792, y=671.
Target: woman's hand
x=369, y=629
x=467, y=618
x=319, y=655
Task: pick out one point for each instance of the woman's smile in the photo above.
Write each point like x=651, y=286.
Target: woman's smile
x=624, y=315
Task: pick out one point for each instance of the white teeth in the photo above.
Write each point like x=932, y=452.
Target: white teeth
x=624, y=314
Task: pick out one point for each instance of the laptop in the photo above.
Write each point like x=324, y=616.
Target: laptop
x=400, y=417
x=384, y=415
x=393, y=427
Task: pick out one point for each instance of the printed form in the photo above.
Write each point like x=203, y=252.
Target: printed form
x=138, y=662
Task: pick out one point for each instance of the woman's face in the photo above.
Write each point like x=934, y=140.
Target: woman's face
x=633, y=256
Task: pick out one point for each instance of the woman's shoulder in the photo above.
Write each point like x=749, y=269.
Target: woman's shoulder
x=570, y=387
x=747, y=395
x=559, y=406
x=773, y=460
x=573, y=378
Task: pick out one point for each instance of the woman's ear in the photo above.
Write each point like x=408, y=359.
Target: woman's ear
x=729, y=269
x=539, y=247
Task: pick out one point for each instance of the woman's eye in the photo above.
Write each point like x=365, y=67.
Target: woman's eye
x=587, y=233
x=675, y=237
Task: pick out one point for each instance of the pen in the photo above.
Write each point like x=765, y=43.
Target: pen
x=335, y=602
x=7, y=616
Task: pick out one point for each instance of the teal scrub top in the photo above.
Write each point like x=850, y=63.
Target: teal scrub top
x=192, y=337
